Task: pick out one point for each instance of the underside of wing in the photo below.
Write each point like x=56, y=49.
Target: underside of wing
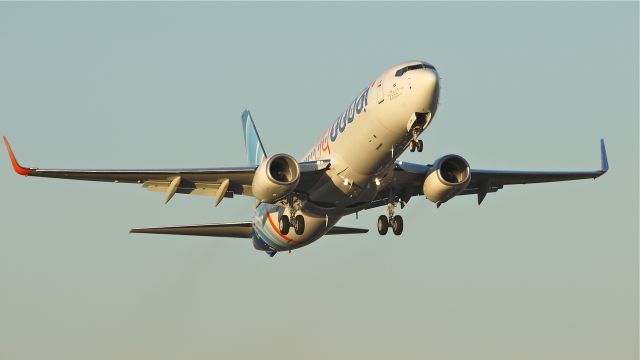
x=342, y=230
x=486, y=181
x=409, y=179
x=216, y=182
x=235, y=230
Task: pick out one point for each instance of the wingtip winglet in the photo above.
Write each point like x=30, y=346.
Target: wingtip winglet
x=604, y=162
x=16, y=166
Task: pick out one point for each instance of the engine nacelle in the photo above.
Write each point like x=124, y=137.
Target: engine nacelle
x=449, y=176
x=275, y=178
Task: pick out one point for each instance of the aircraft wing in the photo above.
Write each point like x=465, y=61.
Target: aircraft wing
x=236, y=230
x=409, y=178
x=216, y=182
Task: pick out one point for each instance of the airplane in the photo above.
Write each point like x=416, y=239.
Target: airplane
x=354, y=166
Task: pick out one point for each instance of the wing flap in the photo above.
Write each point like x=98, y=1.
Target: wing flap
x=198, y=188
x=234, y=230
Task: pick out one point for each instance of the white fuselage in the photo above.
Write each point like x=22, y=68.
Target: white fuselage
x=361, y=147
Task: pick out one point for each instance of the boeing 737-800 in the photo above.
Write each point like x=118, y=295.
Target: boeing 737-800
x=354, y=166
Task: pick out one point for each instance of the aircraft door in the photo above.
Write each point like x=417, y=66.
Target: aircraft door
x=380, y=91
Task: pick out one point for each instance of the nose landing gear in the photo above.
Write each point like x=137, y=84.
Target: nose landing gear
x=396, y=222
x=416, y=144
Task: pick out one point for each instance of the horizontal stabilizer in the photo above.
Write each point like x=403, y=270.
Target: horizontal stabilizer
x=341, y=230
x=235, y=230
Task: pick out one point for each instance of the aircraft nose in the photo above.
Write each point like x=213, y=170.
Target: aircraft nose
x=429, y=84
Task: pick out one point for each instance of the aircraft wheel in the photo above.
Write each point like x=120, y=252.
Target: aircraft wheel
x=412, y=146
x=397, y=224
x=383, y=225
x=284, y=224
x=420, y=145
x=299, y=224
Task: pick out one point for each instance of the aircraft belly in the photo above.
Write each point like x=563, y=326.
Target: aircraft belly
x=363, y=148
x=359, y=156
x=373, y=141
x=265, y=226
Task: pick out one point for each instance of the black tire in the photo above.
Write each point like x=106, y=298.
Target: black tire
x=284, y=224
x=383, y=225
x=397, y=224
x=420, y=145
x=412, y=146
x=299, y=224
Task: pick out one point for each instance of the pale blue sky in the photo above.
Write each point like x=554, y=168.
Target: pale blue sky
x=541, y=271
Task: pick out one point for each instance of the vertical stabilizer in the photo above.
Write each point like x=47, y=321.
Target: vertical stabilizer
x=252, y=142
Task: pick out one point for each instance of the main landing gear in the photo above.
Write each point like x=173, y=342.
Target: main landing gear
x=293, y=220
x=395, y=221
x=285, y=224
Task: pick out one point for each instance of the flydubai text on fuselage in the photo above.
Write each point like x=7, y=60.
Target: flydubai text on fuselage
x=361, y=146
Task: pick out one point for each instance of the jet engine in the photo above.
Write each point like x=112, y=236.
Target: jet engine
x=275, y=178
x=448, y=177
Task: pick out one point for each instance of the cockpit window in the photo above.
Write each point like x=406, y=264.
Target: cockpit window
x=414, y=67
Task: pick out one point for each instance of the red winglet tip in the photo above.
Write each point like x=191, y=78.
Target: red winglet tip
x=16, y=167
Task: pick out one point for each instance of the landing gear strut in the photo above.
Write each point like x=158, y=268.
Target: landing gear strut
x=293, y=220
x=396, y=222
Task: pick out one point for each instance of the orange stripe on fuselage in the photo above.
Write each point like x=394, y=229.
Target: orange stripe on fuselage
x=275, y=228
